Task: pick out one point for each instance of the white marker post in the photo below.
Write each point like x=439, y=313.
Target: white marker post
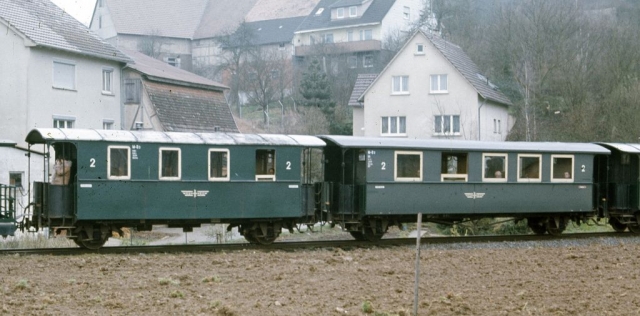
x=417, y=285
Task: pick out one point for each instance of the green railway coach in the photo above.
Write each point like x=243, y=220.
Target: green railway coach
x=106, y=179
x=377, y=182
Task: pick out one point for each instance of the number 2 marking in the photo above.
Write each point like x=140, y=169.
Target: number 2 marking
x=288, y=165
x=583, y=168
x=92, y=162
x=384, y=166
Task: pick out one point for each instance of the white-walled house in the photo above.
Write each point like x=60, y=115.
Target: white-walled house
x=430, y=89
x=55, y=73
x=355, y=29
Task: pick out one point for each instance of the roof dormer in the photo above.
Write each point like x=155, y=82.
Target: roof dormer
x=348, y=9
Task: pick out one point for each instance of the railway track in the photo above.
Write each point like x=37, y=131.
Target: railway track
x=301, y=245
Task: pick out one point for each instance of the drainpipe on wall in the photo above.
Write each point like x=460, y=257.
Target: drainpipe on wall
x=479, y=124
x=122, y=96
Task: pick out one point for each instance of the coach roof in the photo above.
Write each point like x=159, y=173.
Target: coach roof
x=463, y=145
x=623, y=147
x=45, y=135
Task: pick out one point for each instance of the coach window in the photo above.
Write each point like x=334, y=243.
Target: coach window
x=495, y=167
x=408, y=166
x=529, y=168
x=562, y=168
x=218, y=165
x=265, y=165
x=454, y=167
x=118, y=160
x=169, y=163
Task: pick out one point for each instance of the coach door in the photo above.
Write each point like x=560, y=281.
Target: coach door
x=312, y=173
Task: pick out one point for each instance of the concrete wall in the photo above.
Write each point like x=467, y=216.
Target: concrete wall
x=14, y=160
x=14, y=82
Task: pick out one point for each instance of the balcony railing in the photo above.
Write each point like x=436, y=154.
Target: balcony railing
x=338, y=48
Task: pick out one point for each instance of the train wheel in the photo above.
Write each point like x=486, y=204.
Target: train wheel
x=617, y=226
x=634, y=228
x=250, y=238
x=555, y=227
x=84, y=241
x=357, y=235
x=536, y=226
x=264, y=240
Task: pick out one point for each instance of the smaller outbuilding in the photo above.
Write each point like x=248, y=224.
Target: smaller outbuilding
x=160, y=97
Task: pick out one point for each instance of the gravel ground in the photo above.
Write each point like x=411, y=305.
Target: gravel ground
x=557, y=277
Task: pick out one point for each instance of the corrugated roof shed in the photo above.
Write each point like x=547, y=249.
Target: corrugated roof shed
x=184, y=109
x=48, y=26
x=363, y=81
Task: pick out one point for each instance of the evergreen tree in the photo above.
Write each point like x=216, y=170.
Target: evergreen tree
x=315, y=87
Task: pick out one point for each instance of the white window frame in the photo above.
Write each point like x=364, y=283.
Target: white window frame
x=107, y=81
x=573, y=161
x=353, y=11
x=160, y=150
x=59, y=75
x=366, y=64
x=350, y=36
x=328, y=38
x=395, y=166
x=107, y=124
x=364, y=33
x=67, y=121
x=451, y=125
x=397, y=119
x=456, y=177
x=402, y=85
x=128, y=176
x=419, y=49
x=340, y=13
x=406, y=12
x=438, y=78
x=219, y=150
x=506, y=167
x=539, y=179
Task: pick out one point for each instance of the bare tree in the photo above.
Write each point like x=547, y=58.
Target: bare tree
x=236, y=46
x=152, y=44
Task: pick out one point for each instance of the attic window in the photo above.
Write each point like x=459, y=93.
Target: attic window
x=319, y=11
x=353, y=11
x=419, y=49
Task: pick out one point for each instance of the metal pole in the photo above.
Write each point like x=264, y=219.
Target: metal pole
x=418, y=237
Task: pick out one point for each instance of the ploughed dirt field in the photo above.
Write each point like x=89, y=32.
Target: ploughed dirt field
x=593, y=278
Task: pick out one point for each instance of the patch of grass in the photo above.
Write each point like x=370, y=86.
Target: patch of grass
x=177, y=294
x=367, y=307
x=35, y=240
x=211, y=279
x=168, y=281
x=23, y=284
x=602, y=227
